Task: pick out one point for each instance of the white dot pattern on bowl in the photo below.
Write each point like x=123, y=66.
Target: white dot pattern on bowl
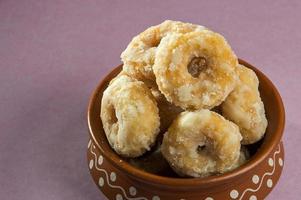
x=89, y=144
x=91, y=163
x=113, y=176
x=234, y=194
x=101, y=182
x=119, y=197
x=280, y=161
x=133, y=191
x=255, y=179
x=269, y=183
x=253, y=197
x=271, y=162
x=100, y=160
x=268, y=173
x=156, y=198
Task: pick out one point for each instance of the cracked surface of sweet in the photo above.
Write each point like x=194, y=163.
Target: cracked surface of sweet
x=245, y=108
x=201, y=143
x=213, y=83
x=167, y=111
x=139, y=56
x=125, y=103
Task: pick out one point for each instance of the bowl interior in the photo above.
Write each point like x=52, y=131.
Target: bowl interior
x=274, y=112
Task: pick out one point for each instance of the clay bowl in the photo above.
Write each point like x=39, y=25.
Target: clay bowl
x=117, y=179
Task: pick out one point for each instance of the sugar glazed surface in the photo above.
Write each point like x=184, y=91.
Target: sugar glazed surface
x=125, y=102
x=183, y=98
x=201, y=143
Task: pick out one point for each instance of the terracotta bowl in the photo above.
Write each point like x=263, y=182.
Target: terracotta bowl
x=117, y=179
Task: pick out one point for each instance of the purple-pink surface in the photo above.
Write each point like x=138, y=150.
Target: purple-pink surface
x=53, y=53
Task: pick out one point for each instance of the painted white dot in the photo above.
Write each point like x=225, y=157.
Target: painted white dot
x=119, y=197
x=209, y=198
x=89, y=144
x=101, y=182
x=253, y=197
x=255, y=179
x=156, y=198
x=280, y=161
x=234, y=194
x=269, y=183
x=271, y=162
x=133, y=191
x=91, y=163
x=100, y=160
x=113, y=176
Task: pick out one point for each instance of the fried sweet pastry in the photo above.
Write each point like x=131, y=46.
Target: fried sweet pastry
x=244, y=107
x=124, y=103
x=201, y=143
x=139, y=55
x=167, y=111
x=195, y=70
x=244, y=156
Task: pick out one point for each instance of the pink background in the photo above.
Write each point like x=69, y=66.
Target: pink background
x=53, y=53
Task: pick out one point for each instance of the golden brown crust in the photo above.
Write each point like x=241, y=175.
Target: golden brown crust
x=212, y=85
x=245, y=108
x=125, y=102
x=167, y=111
x=201, y=143
x=139, y=56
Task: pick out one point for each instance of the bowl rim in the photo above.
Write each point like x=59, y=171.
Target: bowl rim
x=146, y=177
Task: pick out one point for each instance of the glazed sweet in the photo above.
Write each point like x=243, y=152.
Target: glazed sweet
x=167, y=111
x=124, y=103
x=139, y=56
x=245, y=108
x=244, y=156
x=195, y=70
x=201, y=143
x=178, y=82
x=117, y=179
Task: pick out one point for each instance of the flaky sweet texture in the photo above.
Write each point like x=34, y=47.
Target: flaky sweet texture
x=167, y=111
x=210, y=85
x=201, y=143
x=245, y=108
x=139, y=56
x=244, y=156
x=172, y=74
x=124, y=104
